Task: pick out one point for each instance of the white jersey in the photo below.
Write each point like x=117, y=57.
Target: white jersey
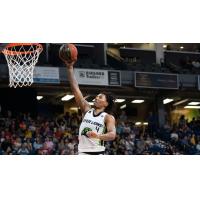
x=94, y=123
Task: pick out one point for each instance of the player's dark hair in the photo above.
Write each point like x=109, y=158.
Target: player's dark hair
x=110, y=109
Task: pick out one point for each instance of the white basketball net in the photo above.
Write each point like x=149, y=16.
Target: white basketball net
x=21, y=60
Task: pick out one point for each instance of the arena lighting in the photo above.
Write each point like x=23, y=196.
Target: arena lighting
x=165, y=101
x=181, y=47
x=74, y=109
x=194, y=103
x=164, y=46
x=145, y=123
x=192, y=107
x=138, y=123
x=180, y=102
x=137, y=101
x=123, y=106
x=67, y=97
x=39, y=97
x=119, y=100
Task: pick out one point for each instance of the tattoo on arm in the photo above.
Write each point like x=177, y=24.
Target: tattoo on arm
x=111, y=129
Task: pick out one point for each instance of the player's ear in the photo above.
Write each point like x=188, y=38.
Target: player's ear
x=106, y=103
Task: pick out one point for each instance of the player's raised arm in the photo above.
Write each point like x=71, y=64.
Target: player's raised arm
x=81, y=102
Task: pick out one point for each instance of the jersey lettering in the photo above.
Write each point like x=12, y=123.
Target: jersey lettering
x=97, y=128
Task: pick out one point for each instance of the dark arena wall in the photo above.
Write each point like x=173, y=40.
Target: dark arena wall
x=18, y=100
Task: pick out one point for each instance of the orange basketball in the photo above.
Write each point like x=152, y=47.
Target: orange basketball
x=68, y=52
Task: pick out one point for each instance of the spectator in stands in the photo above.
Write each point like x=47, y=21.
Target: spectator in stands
x=123, y=116
x=61, y=123
x=152, y=124
x=167, y=126
x=198, y=147
x=120, y=127
x=37, y=145
x=23, y=150
x=74, y=120
x=174, y=136
x=28, y=134
x=67, y=119
x=70, y=145
x=192, y=123
x=141, y=145
x=182, y=122
x=16, y=145
x=127, y=129
x=7, y=134
x=48, y=146
x=66, y=151
x=61, y=146
x=29, y=146
x=22, y=126
x=6, y=145
x=9, y=114
x=193, y=140
x=130, y=146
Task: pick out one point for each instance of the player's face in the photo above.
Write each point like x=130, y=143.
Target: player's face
x=100, y=101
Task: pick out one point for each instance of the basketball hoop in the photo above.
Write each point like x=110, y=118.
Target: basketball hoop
x=21, y=59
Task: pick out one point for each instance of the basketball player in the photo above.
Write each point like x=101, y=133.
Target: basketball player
x=97, y=125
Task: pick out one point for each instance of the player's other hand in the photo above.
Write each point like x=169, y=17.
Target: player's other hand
x=92, y=134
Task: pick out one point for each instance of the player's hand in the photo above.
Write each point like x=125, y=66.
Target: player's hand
x=92, y=134
x=69, y=64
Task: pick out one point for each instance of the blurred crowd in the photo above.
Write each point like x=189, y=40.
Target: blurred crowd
x=24, y=135
x=182, y=138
